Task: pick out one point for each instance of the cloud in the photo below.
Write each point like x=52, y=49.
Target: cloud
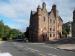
x=7, y=11
x=15, y=8
x=18, y=11
x=65, y=8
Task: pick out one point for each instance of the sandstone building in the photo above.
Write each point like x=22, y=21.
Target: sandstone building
x=44, y=25
x=73, y=25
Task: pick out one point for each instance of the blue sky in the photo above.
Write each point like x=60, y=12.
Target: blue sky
x=16, y=13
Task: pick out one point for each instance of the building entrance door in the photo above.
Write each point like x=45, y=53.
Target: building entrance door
x=44, y=36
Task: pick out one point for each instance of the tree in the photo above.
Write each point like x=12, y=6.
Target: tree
x=66, y=30
x=1, y=29
x=14, y=33
x=7, y=33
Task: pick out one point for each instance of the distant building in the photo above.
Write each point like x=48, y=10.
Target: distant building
x=45, y=26
x=68, y=26
x=73, y=25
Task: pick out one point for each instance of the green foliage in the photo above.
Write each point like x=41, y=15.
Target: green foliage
x=66, y=30
x=1, y=28
x=6, y=32
x=14, y=33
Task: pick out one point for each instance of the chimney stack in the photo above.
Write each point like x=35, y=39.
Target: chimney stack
x=54, y=9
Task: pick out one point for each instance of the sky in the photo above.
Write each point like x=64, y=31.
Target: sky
x=16, y=13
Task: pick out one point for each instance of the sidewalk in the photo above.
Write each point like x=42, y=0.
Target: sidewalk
x=1, y=42
x=67, y=47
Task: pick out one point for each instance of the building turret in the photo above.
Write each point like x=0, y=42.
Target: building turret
x=44, y=5
x=39, y=8
x=54, y=7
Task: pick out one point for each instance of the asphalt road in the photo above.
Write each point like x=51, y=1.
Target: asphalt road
x=32, y=49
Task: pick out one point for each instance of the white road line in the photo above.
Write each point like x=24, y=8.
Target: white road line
x=5, y=54
x=33, y=50
x=52, y=55
x=50, y=47
x=35, y=43
x=40, y=52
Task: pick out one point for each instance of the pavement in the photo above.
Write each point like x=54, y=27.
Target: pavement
x=65, y=44
x=1, y=42
x=32, y=49
x=67, y=47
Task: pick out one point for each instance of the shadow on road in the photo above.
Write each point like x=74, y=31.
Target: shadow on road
x=63, y=41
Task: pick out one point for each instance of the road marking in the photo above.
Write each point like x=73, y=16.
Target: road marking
x=33, y=50
x=52, y=55
x=40, y=53
x=50, y=47
x=5, y=54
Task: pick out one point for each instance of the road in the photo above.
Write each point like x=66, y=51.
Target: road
x=31, y=49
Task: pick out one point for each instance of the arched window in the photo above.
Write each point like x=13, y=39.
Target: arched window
x=50, y=35
x=53, y=35
x=44, y=19
x=50, y=29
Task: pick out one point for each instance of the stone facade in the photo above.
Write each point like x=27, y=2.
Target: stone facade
x=73, y=25
x=45, y=26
